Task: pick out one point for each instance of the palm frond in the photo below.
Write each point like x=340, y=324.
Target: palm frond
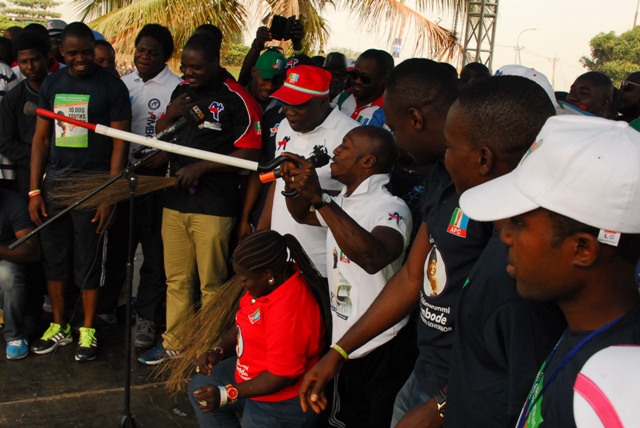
x=182, y=17
x=394, y=18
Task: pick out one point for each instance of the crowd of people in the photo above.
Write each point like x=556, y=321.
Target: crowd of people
x=471, y=244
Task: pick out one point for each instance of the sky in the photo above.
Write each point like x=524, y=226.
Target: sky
x=563, y=29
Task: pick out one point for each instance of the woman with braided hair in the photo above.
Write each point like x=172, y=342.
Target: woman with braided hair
x=279, y=335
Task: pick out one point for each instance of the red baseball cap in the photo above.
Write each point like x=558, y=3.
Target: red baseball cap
x=303, y=83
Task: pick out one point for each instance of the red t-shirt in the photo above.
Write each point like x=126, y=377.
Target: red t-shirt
x=281, y=333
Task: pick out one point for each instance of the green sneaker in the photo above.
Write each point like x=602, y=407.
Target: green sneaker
x=52, y=338
x=87, y=345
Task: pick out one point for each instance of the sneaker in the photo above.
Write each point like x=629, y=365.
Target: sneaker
x=87, y=345
x=146, y=333
x=157, y=354
x=17, y=349
x=52, y=338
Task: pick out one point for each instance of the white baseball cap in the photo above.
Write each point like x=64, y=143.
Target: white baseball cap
x=531, y=74
x=605, y=390
x=585, y=168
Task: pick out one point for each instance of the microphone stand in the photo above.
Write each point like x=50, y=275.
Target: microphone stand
x=126, y=419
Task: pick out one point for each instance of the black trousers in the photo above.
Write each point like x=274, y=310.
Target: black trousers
x=367, y=386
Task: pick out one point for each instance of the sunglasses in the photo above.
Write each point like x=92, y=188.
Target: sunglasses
x=625, y=85
x=355, y=75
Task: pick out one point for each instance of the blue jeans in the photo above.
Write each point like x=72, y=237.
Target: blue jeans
x=410, y=396
x=13, y=297
x=252, y=414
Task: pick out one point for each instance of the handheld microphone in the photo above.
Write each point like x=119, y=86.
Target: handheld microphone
x=192, y=116
x=319, y=158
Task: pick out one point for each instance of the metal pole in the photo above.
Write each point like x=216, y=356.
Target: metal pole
x=635, y=18
x=518, y=48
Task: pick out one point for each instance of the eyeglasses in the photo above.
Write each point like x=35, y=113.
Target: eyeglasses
x=355, y=75
x=624, y=86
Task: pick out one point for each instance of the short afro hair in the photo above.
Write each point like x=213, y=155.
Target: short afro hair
x=105, y=44
x=476, y=67
x=422, y=83
x=31, y=40
x=160, y=34
x=6, y=51
x=205, y=43
x=211, y=30
x=505, y=113
x=78, y=30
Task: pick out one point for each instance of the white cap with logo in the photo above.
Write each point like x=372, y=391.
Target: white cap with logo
x=585, y=168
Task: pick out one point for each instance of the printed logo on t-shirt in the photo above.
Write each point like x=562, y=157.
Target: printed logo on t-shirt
x=340, y=294
x=154, y=104
x=257, y=128
x=216, y=108
x=292, y=63
x=395, y=216
x=255, y=317
x=283, y=144
x=239, y=343
x=363, y=120
x=74, y=106
x=458, y=223
x=274, y=130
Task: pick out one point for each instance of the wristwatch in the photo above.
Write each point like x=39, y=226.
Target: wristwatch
x=232, y=393
x=325, y=200
x=441, y=401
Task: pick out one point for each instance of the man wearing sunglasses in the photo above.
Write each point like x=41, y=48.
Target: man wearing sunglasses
x=629, y=107
x=363, y=100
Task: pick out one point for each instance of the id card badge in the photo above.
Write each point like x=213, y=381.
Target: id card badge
x=75, y=106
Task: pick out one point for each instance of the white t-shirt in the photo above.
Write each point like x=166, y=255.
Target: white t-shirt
x=149, y=100
x=329, y=134
x=351, y=288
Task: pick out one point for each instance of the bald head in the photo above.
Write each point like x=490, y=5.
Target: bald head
x=379, y=143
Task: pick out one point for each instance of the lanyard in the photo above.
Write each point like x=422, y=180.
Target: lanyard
x=528, y=405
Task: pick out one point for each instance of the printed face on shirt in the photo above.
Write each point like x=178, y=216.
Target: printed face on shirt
x=32, y=64
x=460, y=158
x=368, y=69
x=257, y=284
x=197, y=69
x=79, y=55
x=539, y=267
x=149, y=58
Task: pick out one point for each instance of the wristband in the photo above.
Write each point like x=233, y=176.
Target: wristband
x=341, y=351
x=441, y=401
x=34, y=193
x=220, y=351
x=223, y=395
x=300, y=52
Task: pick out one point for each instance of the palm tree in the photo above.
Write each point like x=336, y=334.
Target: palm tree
x=120, y=20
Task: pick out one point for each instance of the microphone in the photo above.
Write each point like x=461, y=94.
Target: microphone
x=319, y=158
x=192, y=116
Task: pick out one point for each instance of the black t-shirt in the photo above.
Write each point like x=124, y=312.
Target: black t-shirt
x=555, y=408
x=100, y=98
x=14, y=216
x=232, y=122
x=16, y=131
x=457, y=243
x=500, y=341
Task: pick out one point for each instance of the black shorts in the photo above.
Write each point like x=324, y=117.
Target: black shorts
x=71, y=245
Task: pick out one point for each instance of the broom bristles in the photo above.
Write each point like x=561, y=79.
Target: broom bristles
x=201, y=332
x=78, y=185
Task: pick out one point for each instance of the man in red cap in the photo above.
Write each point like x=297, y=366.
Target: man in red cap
x=309, y=121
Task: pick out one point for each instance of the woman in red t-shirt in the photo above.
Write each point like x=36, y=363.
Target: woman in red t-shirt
x=279, y=335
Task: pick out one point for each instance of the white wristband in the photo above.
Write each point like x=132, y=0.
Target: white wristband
x=223, y=395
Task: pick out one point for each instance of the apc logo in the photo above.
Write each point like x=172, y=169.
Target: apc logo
x=283, y=144
x=215, y=108
x=274, y=130
x=395, y=216
x=154, y=104
x=458, y=223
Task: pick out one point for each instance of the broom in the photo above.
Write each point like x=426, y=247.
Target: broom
x=201, y=332
x=78, y=185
